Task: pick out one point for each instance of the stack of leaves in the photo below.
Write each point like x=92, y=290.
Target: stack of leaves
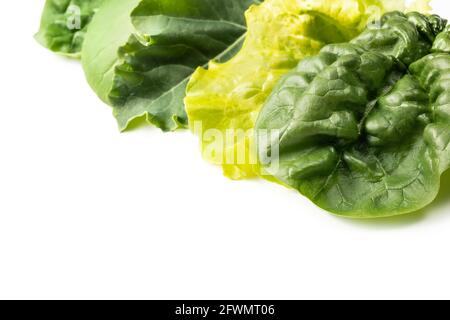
x=280, y=34
x=138, y=55
x=364, y=127
x=218, y=63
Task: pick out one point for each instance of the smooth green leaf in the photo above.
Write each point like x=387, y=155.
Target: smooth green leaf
x=102, y=43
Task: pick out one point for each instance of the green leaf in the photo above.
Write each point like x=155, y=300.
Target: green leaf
x=142, y=69
x=102, y=43
x=358, y=134
x=64, y=24
x=442, y=43
x=229, y=96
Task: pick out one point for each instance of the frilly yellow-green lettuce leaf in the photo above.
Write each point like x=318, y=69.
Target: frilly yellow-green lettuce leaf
x=224, y=100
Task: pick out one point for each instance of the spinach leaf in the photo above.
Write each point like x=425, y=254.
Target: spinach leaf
x=142, y=65
x=64, y=24
x=365, y=126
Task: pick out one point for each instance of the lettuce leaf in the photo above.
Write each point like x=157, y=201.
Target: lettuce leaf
x=228, y=96
x=64, y=24
x=142, y=63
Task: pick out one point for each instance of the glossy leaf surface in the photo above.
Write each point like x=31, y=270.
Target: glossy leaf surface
x=365, y=126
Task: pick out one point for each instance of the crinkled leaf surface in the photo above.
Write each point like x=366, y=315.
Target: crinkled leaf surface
x=145, y=75
x=365, y=126
x=64, y=24
x=442, y=43
x=280, y=34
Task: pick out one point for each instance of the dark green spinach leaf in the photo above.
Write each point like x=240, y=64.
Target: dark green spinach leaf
x=365, y=126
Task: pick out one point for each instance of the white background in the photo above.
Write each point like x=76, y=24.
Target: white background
x=87, y=212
